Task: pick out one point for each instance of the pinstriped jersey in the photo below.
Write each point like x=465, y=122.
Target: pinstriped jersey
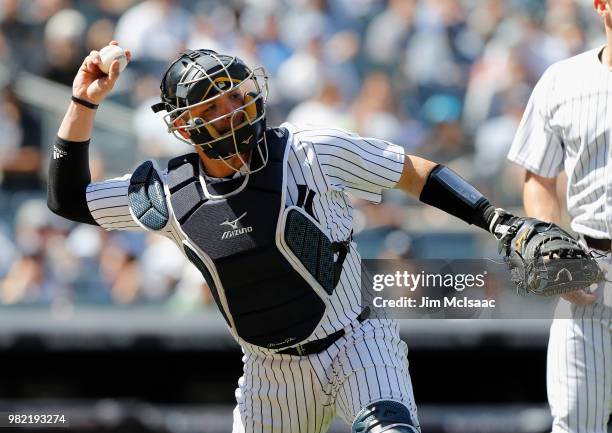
x=324, y=165
x=566, y=126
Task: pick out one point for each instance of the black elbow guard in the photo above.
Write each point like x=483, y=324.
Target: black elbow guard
x=68, y=180
x=449, y=192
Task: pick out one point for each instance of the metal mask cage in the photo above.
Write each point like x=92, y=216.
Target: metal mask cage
x=253, y=89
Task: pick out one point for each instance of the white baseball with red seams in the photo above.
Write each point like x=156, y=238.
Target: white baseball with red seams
x=108, y=54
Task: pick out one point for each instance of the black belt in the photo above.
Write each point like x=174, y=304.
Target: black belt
x=318, y=346
x=598, y=244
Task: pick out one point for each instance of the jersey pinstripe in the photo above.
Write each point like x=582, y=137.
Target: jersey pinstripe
x=329, y=162
x=567, y=126
x=285, y=393
x=279, y=393
x=579, y=379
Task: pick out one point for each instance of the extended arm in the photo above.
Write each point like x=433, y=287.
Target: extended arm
x=69, y=166
x=535, y=250
x=438, y=186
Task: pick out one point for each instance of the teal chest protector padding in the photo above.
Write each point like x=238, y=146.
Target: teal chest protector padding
x=146, y=197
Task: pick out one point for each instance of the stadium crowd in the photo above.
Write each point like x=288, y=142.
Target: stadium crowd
x=447, y=79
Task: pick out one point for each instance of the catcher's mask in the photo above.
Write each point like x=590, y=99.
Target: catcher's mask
x=199, y=77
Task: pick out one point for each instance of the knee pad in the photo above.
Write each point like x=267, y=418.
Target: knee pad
x=384, y=416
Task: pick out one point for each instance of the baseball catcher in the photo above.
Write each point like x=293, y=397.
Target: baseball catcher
x=262, y=212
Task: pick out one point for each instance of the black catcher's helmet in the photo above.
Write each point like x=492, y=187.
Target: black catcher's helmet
x=200, y=76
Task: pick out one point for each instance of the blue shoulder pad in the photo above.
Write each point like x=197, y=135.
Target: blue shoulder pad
x=146, y=197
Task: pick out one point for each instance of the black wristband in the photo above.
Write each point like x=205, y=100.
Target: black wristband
x=484, y=215
x=84, y=103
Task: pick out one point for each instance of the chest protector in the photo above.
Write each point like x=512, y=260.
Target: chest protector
x=270, y=268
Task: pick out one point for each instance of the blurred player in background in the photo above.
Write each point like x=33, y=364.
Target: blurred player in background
x=567, y=125
x=263, y=214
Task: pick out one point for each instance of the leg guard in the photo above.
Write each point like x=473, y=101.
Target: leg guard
x=384, y=416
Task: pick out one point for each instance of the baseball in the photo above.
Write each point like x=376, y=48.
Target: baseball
x=110, y=53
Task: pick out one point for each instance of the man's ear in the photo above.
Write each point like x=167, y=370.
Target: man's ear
x=181, y=122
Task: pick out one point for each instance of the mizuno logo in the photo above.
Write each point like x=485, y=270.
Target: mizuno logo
x=235, y=231
x=247, y=140
x=233, y=224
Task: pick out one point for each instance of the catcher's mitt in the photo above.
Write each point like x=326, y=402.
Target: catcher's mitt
x=543, y=258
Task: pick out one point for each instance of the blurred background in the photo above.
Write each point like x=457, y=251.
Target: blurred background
x=116, y=329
